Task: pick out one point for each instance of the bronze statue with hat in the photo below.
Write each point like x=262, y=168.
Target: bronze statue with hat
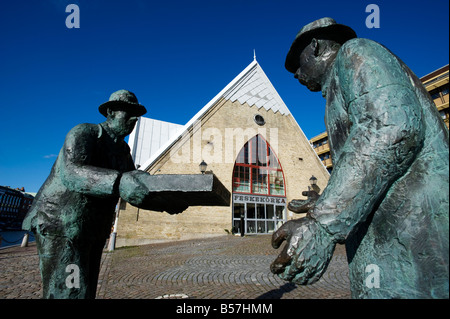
x=73, y=212
x=387, y=198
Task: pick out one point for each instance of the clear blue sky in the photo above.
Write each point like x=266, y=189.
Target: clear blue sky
x=175, y=55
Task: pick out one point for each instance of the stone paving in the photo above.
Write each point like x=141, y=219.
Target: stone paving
x=225, y=267
x=19, y=273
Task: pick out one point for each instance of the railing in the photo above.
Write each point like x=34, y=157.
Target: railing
x=445, y=75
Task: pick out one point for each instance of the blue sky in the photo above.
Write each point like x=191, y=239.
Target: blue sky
x=175, y=56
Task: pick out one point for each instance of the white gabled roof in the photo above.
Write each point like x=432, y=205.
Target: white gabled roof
x=148, y=136
x=254, y=87
x=251, y=86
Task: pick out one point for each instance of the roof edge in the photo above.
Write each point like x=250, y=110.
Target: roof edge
x=146, y=165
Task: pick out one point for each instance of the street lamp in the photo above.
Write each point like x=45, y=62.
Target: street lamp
x=313, y=190
x=203, y=166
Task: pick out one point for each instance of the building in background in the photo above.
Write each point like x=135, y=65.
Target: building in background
x=14, y=205
x=250, y=141
x=436, y=84
x=322, y=148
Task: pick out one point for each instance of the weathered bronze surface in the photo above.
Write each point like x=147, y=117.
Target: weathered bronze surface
x=388, y=195
x=174, y=193
x=72, y=213
x=300, y=206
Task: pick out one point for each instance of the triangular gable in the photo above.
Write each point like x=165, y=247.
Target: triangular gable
x=251, y=86
x=255, y=88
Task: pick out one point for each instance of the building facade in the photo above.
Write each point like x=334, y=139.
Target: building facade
x=14, y=205
x=252, y=143
x=322, y=148
x=436, y=84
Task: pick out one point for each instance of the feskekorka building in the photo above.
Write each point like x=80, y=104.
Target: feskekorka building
x=249, y=140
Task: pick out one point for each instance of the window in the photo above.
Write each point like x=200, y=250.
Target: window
x=444, y=89
x=259, y=202
x=435, y=94
x=257, y=170
x=259, y=120
x=258, y=218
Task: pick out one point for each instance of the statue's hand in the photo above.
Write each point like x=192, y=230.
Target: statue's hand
x=299, y=206
x=131, y=188
x=307, y=252
x=135, y=189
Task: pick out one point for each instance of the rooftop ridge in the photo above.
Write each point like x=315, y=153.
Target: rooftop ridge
x=251, y=86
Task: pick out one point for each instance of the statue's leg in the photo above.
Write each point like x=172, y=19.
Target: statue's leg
x=95, y=256
x=62, y=270
x=45, y=263
x=52, y=265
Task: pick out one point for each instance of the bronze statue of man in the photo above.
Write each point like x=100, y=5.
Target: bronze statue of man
x=72, y=213
x=388, y=195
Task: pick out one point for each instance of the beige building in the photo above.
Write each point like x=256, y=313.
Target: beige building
x=436, y=84
x=250, y=141
x=322, y=148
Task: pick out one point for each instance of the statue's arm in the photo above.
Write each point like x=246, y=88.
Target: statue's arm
x=384, y=138
x=76, y=172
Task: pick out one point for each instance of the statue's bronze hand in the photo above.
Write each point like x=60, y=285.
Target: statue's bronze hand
x=299, y=206
x=132, y=189
x=307, y=252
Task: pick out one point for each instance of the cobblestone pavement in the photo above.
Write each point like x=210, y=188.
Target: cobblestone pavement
x=225, y=267
x=19, y=273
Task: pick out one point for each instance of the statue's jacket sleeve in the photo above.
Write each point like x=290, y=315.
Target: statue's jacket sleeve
x=82, y=171
x=387, y=197
x=81, y=192
x=374, y=122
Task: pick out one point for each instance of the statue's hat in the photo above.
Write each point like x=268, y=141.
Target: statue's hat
x=325, y=28
x=123, y=100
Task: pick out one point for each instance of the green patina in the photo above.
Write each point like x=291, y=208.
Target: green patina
x=388, y=197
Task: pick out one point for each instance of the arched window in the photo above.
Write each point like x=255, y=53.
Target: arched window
x=259, y=202
x=257, y=170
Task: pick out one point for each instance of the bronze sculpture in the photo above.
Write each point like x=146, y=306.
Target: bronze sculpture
x=387, y=198
x=72, y=213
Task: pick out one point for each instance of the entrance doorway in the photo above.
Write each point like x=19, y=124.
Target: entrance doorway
x=258, y=189
x=261, y=214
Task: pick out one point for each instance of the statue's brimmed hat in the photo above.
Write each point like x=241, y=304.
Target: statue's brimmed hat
x=123, y=100
x=325, y=28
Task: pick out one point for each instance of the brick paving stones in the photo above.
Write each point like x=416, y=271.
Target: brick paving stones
x=224, y=267
x=19, y=273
